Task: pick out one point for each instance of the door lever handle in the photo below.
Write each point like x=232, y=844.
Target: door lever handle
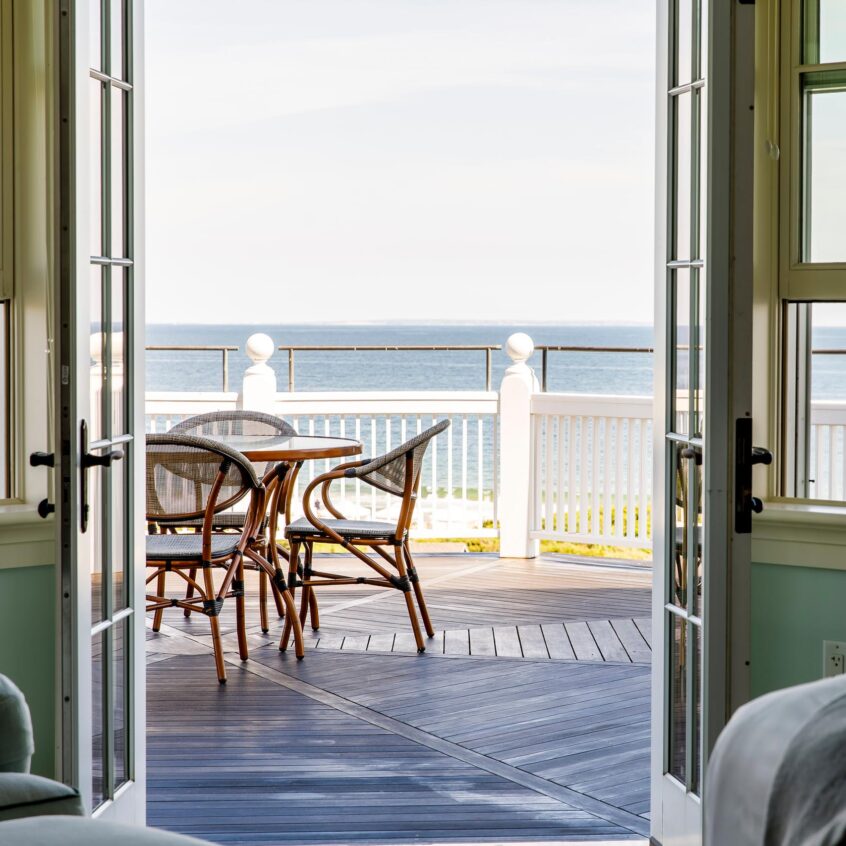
x=761, y=456
x=105, y=460
x=756, y=505
x=45, y=509
x=42, y=459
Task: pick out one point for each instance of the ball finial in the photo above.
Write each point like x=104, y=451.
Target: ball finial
x=260, y=347
x=519, y=347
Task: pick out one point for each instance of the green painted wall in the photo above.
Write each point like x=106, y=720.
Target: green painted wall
x=27, y=650
x=794, y=609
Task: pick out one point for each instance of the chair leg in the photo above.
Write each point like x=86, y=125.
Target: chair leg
x=215, y=627
x=412, y=614
x=240, y=613
x=189, y=591
x=265, y=627
x=289, y=597
x=308, y=591
x=313, y=611
x=418, y=591
x=160, y=591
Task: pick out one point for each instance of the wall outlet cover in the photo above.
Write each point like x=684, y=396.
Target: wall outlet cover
x=834, y=658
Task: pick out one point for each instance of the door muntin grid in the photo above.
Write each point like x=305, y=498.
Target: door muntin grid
x=685, y=438
x=111, y=287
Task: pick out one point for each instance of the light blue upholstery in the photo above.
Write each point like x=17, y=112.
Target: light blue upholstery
x=75, y=831
x=16, y=742
x=26, y=795
x=23, y=794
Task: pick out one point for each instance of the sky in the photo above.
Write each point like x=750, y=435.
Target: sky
x=377, y=160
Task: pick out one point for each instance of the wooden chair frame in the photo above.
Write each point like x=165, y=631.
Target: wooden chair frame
x=404, y=576
x=202, y=597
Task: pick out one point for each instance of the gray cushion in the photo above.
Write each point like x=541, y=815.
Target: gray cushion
x=16, y=743
x=188, y=547
x=23, y=795
x=345, y=528
x=76, y=831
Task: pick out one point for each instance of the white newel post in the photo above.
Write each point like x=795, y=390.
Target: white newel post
x=515, y=453
x=259, y=387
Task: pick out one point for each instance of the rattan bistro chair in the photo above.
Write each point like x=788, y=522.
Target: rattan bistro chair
x=215, y=424
x=397, y=473
x=193, y=478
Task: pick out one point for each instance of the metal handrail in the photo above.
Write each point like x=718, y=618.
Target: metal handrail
x=486, y=348
x=548, y=348
x=223, y=349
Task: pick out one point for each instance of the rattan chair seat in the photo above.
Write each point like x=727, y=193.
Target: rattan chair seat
x=222, y=520
x=345, y=528
x=187, y=547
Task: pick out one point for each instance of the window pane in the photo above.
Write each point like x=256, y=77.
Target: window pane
x=697, y=353
x=5, y=396
x=679, y=523
x=696, y=695
x=95, y=166
x=678, y=697
x=827, y=436
x=117, y=394
x=118, y=102
x=120, y=669
x=681, y=351
x=116, y=38
x=684, y=41
x=97, y=351
x=94, y=51
x=825, y=31
x=97, y=709
x=824, y=103
x=681, y=249
x=119, y=484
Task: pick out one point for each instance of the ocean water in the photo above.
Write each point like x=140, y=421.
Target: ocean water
x=590, y=372
x=582, y=372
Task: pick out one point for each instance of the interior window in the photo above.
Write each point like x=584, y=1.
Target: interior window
x=815, y=401
x=5, y=404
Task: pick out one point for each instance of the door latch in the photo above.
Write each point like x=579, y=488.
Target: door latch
x=746, y=456
x=43, y=459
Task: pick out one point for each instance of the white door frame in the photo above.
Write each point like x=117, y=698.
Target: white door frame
x=676, y=814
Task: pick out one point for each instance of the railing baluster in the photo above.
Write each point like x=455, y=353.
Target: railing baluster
x=594, y=479
x=618, y=479
x=630, y=500
x=480, y=484
x=549, y=457
x=559, y=489
x=643, y=522
x=607, y=446
x=571, y=474
x=584, y=502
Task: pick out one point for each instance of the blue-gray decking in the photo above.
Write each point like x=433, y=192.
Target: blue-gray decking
x=367, y=746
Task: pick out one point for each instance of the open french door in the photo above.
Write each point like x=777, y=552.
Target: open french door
x=702, y=503
x=100, y=399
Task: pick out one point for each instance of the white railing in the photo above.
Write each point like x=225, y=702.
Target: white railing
x=592, y=469
x=827, y=455
x=458, y=490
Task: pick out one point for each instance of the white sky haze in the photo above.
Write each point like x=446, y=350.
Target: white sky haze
x=345, y=160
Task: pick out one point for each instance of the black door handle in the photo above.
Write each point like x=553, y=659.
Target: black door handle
x=89, y=459
x=45, y=509
x=42, y=459
x=746, y=456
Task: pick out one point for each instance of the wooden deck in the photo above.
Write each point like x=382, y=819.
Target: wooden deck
x=526, y=720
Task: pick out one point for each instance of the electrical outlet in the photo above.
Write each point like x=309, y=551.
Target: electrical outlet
x=834, y=658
